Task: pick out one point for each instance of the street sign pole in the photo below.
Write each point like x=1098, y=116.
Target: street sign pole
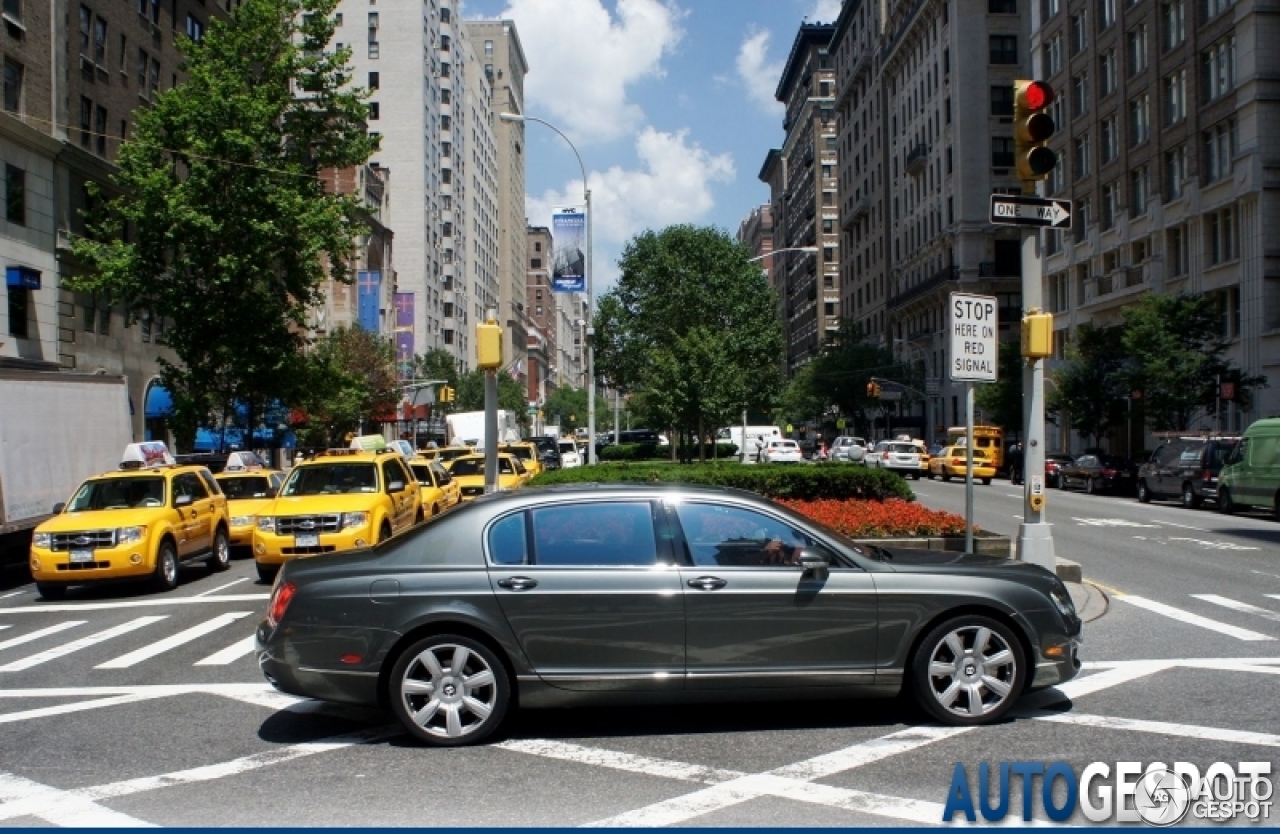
x=1035, y=539
x=968, y=467
x=973, y=327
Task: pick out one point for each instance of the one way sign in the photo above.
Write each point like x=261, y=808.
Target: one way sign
x=1015, y=210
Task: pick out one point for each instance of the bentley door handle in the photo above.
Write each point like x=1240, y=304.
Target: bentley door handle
x=517, y=583
x=707, y=583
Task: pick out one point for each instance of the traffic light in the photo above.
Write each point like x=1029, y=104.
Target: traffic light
x=1032, y=127
x=446, y=394
x=873, y=390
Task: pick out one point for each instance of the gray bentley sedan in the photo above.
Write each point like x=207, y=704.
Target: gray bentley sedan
x=652, y=594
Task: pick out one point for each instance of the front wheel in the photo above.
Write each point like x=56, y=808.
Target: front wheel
x=1224, y=501
x=449, y=690
x=267, y=573
x=1090, y=486
x=51, y=591
x=946, y=476
x=165, y=577
x=968, y=670
x=1189, y=498
x=220, y=558
x=1144, y=494
x=986, y=482
x=384, y=533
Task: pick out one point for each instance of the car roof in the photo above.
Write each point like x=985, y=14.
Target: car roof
x=168, y=469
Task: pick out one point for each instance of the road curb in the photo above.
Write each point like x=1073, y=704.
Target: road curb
x=1091, y=602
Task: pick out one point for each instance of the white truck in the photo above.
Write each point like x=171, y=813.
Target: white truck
x=466, y=428
x=56, y=430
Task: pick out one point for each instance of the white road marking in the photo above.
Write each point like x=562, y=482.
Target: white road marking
x=132, y=603
x=173, y=640
x=1164, y=728
x=223, y=587
x=66, y=709
x=25, y=798
x=614, y=760
x=1191, y=619
x=230, y=654
x=1208, y=545
x=12, y=594
x=1110, y=522
x=1236, y=605
x=77, y=645
x=38, y=633
x=1183, y=526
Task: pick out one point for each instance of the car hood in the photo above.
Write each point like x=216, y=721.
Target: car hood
x=247, y=506
x=349, y=502
x=103, y=519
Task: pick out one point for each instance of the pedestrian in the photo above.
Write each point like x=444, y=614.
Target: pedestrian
x=759, y=448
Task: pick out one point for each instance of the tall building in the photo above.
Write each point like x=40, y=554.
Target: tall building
x=802, y=177
x=370, y=301
x=1167, y=145
x=926, y=136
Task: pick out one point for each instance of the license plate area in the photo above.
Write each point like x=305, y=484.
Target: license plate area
x=78, y=556
x=307, y=540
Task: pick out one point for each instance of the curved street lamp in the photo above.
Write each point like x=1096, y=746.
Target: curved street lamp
x=591, y=304
x=810, y=250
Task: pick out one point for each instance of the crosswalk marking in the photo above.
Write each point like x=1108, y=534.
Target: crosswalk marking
x=230, y=654
x=1239, y=606
x=160, y=646
x=1192, y=619
x=77, y=645
x=36, y=635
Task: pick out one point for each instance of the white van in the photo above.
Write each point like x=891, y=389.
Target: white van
x=757, y=438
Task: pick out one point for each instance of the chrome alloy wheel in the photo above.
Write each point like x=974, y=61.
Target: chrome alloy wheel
x=972, y=671
x=449, y=691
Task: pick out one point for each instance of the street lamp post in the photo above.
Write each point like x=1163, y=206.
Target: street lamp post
x=591, y=302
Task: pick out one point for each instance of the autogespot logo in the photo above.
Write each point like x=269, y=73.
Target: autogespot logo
x=1159, y=794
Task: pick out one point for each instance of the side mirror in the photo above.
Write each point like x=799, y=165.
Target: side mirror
x=183, y=501
x=59, y=507
x=815, y=561
x=395, y=486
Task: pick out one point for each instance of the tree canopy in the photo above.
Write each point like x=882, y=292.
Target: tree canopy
x=1092, y=386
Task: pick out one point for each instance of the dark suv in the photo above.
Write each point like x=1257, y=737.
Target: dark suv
x=548, y=451
x=1186, y=468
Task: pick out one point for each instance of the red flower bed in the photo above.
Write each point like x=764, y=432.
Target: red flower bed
x=876, y=519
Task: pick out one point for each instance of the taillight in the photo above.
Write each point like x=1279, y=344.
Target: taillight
x=957, y=461
x=1206, y=475
x=1108, y=473
x=281, y=596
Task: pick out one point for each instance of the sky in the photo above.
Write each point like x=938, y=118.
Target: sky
x=669, y=103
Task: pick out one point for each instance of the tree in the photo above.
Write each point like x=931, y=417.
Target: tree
x=1001, y=401
x=566, y=406
x=1179, y=346
x=848, y=362
x=690, y=327
x=511, y=395
x=1092, y=386
x=436, y=363
x=351, y=383
x=231, y=231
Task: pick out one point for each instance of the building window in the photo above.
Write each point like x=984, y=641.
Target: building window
x=1173, y=23
x=373, y=81
x=1139, y=191
x=536, y=263
x=1137, y=41
x=1106, y=14
x=1058, y=176
x=19, y=311
x=488, y=49
x=100, y=130
x=144, y=61
x=155, y=12
x=1220, y=147
x=1002, y=6
x=13, y=9
x=446, y=175
x=1110, y=204
x=374, y=111
x=1220, y=236
x=1082, y=156
x=446, y=123
x=1080, y=95
x=100, y=41
x=1002, y=100
x=1139, y=120
x=1213, y=8
x=373, y=50
x=1109, y=139
x=155, y=76
x=1002, y=152
x=15, y=194
x=1176, y=251
x=1107, y=74
x=195, y=28
x=1175, y=97
x=1004, y=49
x=1052, y=7
x=1219, y=68
x=446, y=150
x=1079, y=33
x=444, y=69
x=12, y=86
x=1175, y=172
x=1053, y=56
x=1080, y=222
x=86, y=121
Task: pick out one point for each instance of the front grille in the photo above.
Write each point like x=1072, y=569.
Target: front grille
x=73, y=566
x=292, y=525
x=307, y=551
x=87, y=540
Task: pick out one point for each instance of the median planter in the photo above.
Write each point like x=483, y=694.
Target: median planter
x=984, y=542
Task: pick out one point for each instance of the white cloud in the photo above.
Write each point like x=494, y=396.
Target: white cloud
x=673, y=185
x=582, y=60
x=759, y=76
x=825, y=11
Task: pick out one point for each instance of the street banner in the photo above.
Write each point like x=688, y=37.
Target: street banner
x=368, y=298
x=404, y=327
x=569, y=266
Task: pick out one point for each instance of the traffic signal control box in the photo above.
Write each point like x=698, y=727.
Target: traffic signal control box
x=488, y=345
x=1037, y=335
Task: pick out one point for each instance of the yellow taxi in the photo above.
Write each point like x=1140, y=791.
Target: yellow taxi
x=140, y=522
x=951, y=462
x=469, y=473
x=449, y=454
x=439, y=490
x=338, y=500
x=428, y=454
x=249, y=486
x=527, y=453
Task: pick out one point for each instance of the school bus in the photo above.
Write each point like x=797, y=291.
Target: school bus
x=987, y=438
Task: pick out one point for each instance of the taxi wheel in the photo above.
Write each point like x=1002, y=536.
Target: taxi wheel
x=986, y=482
x=435, y=509
x=166, y=576
x=220, y=559
x=946, y=476
x=267, y=573
x=384, y=533
x=419, y=518
x=51, y=591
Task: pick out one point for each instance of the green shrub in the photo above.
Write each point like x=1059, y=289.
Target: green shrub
x=774, y=480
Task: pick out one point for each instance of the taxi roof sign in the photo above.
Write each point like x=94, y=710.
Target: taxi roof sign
x=244, y=461
x=369, y=442
x=148, y=455
x=404, y=447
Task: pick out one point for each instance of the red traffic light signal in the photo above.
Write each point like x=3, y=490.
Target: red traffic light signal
x=1032, y=128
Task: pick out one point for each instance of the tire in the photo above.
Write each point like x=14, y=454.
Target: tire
x=946, y=476
x=220, y=559
x=267, y=573
x=1275, y=507
x=435, y=510
x=1090, y=486
x=1224, y=501
x=968, y=670
x=419, y=518
x=48, y=591
x=1144, y=494
x=915, y=476
x=165, y=577
x=384, y=532
x=468, y=706
x=1189, y=498
x=986, y=482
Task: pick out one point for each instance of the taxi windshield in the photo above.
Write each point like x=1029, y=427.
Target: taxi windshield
x=422, y=471
x=331, y=478
x=118, y=494
x=522, y=452
x=467, y=466
x=249, y=486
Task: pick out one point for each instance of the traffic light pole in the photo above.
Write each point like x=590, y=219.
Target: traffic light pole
x=1035, y=539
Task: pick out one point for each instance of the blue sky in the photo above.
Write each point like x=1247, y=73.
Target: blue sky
x=669, y=103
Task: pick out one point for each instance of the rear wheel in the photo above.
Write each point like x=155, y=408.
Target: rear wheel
x=1090, y=485
x=946, y=476
x=968, y=670
x=1144, y=494
x=986, y=482
x=51, y=591
x=1224, y=501
x=1189, y=498
x=220, y=559
x=449, y=690
x=165, y=577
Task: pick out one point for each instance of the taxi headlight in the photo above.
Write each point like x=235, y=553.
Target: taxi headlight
x=242, y=521
x=42, y=540
x=129, y=535
x=350, y=520
x=267, y=523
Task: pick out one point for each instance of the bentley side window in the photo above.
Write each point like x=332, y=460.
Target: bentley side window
x=614, y=533
x=736, y=537
x=507, y=545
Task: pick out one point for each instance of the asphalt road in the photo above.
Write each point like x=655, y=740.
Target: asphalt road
x=119, y=706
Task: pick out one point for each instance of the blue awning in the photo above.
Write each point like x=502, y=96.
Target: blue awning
x=159, y=402
x=22, y=276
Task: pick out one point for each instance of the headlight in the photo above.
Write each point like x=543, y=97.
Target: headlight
x=42, y=540
x=267, y=523
x=129, y=535
x=350, y=520
x=1062, y=601
x=242, y=521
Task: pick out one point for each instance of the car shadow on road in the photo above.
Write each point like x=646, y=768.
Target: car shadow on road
x=1267, y=536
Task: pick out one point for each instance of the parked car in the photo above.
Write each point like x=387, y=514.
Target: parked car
x=953, y=463
x=1185, y=468
x=564, y=607
x=781, y=451
x=1053, y=463
x=1098, y=473
x=548, y=451
x=848, y=449
x=1251, y=477
x=898, y=456
x=569, y=456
